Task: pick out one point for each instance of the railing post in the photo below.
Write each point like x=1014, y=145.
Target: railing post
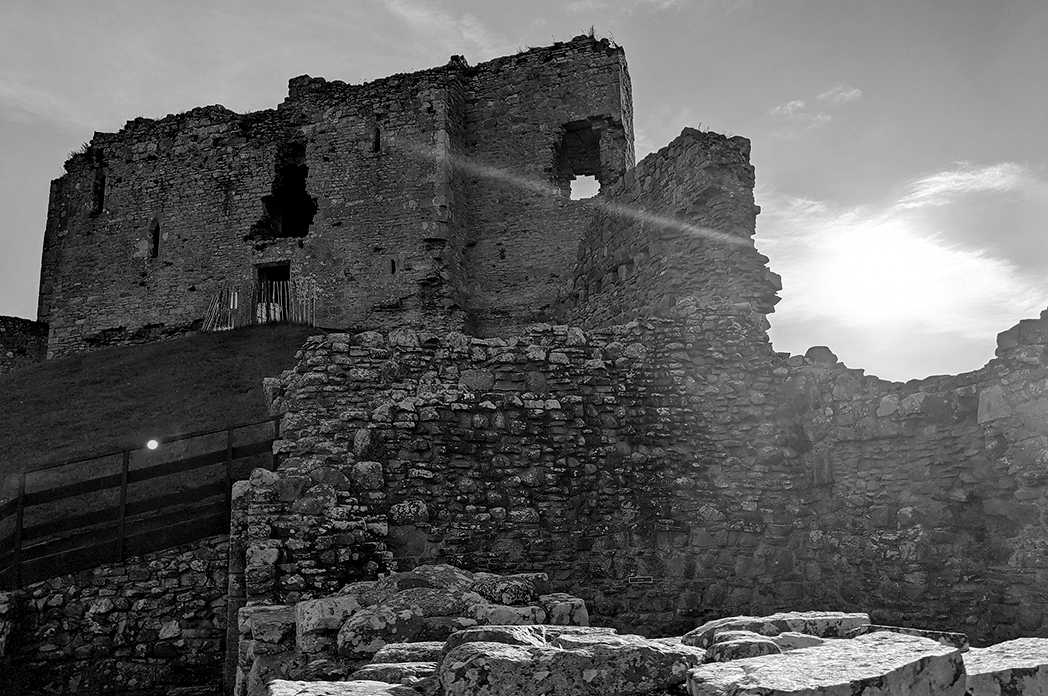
x=16, y=566
x=123, y=501
x=229, y=466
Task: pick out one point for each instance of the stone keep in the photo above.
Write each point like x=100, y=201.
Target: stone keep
x=437, y=198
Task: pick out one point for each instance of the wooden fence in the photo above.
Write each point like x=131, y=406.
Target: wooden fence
x=264, y=302
x=81, y=514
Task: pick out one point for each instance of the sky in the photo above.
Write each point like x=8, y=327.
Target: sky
x=899, y=145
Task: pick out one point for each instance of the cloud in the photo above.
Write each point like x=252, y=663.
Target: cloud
x=705, y=7
x=451, y=32
x=885, y=293
x=840, y=95
x=942, y=187
x=788, y=109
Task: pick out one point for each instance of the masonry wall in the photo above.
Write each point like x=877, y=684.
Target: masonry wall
x=22, y=343
x=153, y=625
x=679, y=225
x=383, y=199
x=526, y=230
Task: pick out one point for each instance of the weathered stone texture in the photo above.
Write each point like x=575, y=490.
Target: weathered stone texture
x=1014, y=667
x=878, y=663
x=155, y=623
x=22, y=343
x=407, y=214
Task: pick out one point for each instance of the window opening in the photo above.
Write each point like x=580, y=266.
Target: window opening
x=577, y=155
x=289, y=209
x=154, y=238
x=376, y=139
x=392, y=266
x=98, y=184
x=584, y=187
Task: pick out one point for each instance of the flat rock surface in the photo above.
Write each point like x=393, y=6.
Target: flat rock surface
x=582, y=665
x=534, y=636
x=426, y=651
x=395, y=672
x=825, y=624
x=281, y=687
x=957, y=640
x=875, y=664
x=1014, y=667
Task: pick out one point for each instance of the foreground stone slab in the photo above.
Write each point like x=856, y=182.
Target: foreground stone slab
x=281, y=687
x=1013, y=668
x=534, y=636
x=581, y=665
x=395, y=672
x=871, y=665
x=957, y=640
x=825, y=624
x=427, y=651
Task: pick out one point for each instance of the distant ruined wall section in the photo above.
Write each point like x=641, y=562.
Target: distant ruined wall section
x=679, y=225
x=22, y=343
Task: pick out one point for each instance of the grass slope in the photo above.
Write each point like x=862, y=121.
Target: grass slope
x=98, y=402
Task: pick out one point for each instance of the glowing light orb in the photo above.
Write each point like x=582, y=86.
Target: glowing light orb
x=152, y=444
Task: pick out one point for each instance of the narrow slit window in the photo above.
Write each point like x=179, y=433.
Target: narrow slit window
x=376, y=139
x=154, y=238
x=392, y=266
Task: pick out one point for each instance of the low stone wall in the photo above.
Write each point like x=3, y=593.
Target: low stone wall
x=153, y=624
x=22, y=343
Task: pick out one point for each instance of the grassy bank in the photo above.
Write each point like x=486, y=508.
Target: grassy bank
x=98, y=402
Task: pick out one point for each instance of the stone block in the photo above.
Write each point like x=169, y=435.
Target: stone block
x=424, y=651
x=564, y=610
x=368, y=630
x=578, y=665
x=317, y=616
x=826, y=624
x=281, y=687
x=956, y=640
x=875, y=664
x=1013, y=668
x=499, y=615
x=395, y=672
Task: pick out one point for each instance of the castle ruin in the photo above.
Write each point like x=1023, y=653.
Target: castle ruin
x=517, y=380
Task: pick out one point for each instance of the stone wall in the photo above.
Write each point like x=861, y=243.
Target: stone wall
x=155, y=623
x=387, y=201
x=530, y=131
x=673, y=470
x=679, y=225
x=22, y=343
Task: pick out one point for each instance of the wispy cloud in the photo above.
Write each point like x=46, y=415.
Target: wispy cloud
x=706, y=7
x=800, y=116
x=453, y=32
x=788, y=109
x=840, y=95
x=942, y=187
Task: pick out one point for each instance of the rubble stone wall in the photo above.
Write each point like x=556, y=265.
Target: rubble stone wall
x=673, y=470
x=22, y=343
x=155, y=623
x=679, y=225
